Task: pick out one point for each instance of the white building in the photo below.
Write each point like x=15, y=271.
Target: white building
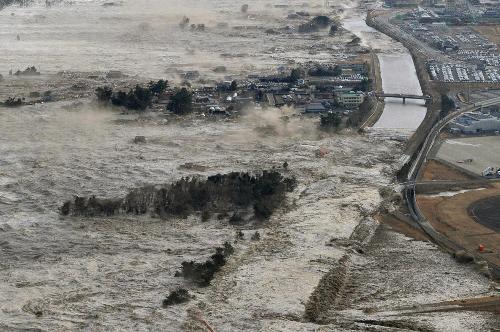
x=350, y=99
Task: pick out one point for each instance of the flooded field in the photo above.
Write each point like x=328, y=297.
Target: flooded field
x=112, y=273
x=144, y=38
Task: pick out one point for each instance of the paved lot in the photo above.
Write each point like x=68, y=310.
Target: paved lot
x=486, y=212
x=485, y=152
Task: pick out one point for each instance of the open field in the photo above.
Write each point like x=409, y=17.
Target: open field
x=492, y=32
x=485, y=152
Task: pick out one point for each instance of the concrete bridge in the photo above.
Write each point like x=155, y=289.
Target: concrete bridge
x=402, y=96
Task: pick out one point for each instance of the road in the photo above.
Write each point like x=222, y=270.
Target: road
x=410, y=192
x=423, y=48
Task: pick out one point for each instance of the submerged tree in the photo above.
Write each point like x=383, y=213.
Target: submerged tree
x=233, y=86
x=232, y=192
x=181, y=102
x=104, y=94
x=157, y=88
x=296, y=74
x=330, y=121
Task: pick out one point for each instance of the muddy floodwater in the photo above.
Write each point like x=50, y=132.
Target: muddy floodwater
x=144, y=38
x=114, y=273
x=69, y=273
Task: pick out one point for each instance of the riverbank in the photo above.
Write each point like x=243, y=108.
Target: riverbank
x=379, y=20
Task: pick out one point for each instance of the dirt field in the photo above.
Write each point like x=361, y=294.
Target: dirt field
x=435, y=170
x=450, y=216
x=492, y=32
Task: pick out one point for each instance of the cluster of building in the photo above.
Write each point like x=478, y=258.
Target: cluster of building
x=311, y=94
x=480, y=122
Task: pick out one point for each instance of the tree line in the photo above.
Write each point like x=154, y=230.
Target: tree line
x=222, y=193
x=140, y=98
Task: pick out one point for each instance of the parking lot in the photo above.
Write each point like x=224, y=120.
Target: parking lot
x=448, y=72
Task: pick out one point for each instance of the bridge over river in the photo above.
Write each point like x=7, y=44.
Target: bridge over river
x=403, y=96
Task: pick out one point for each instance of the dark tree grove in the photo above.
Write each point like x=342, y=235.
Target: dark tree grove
x=330, y=121
x=157, y=88
x=263, y=193
x=181, y=102
x=138, y=98
x=203, y=273
x=447, y=105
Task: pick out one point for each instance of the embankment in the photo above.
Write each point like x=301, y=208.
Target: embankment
x=329, y=293
x=433, y=107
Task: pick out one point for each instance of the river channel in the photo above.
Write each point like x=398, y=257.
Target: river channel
x=398, y=76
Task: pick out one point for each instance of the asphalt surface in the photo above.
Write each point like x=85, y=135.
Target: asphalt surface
x=487, y=212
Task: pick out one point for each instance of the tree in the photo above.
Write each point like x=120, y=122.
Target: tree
x=181, y=102
x=233, y=86
x=104, y=94
x=296, y=74
x=119, y=98
x=159, y=87
x=330, y=121
x=364, y=85
x=337, y=70
x=137, y=99
x=447, y=105
x=321, y=21
x=355, y=118
x=333, y=29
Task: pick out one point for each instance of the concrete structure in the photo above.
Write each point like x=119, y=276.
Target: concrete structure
x=350, y=99
x=402, y=96
x=315, y=108
x=475, y=123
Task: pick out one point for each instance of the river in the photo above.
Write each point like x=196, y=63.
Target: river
x=398, y=76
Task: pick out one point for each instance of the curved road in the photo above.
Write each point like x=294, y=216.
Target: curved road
x=410, y=192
